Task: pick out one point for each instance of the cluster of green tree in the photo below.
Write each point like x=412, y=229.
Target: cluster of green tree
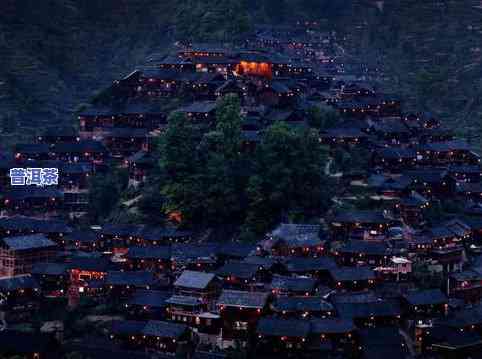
x=105, y=193
x=212, y=19
x=212, y=182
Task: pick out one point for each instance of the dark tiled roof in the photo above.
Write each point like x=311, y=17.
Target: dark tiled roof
x=36, y=225
x=332, y=326
x=300, y=265
x=156, y=328
x=199, y=107
x=154, y=252
x=296, y=235
x=192, y=279
x=293, y=284
x=90, y=264
x=184, y=300
x=137, y=278
x=238, y=269
x=365, y=247
x=302, y=304
x=18, y=282
x=34, y=241
x=85, y=236
x=50, y=268
x=236, y=298
x=352, y=274
x=426, y=297
x=81, y=147
x=380, y=308
x=127, y=327
x=151, y=298
x=464, y=317
x=237, y=250
x=361, y=217
x=32, y=148
x=31, y=192
x=283, y=327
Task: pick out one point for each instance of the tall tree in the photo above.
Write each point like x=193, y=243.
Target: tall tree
x=288, y=176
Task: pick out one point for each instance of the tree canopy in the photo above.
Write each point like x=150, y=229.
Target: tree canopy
x=212, y=181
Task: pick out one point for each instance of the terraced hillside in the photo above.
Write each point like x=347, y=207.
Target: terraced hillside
x=55, y=56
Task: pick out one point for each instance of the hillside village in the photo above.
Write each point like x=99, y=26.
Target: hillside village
x=391, y=268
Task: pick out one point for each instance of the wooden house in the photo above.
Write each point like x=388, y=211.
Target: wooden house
x=292, y=286
x=118, y=237
x=240, y=312
x=276, y=94
x=200, y=285
x=87, y=276
x=281, y=336
x=372, y=313
x=86, y=240
x=447, y=342
x=95, y=119
x=352, y=278
x=343, y=137
x=158, y=336
x=194, y=312
x=340, y=332
x=429, y=182
x=242, y=275
x=232, y=87
x=466, y=285
x=121, y=284
x=316, y=267
x=294, y=239
x=465, y=173
x=469, y=191
x=53, y=278
x=18, y=254
x=82, y=151
x=449, y=258
x=147, y=304
x=16, y=226
x=75, y=176
x=124, y=142
x=357, y=252
x=448, y=153
x=395, y=159
x=392, y=130
x=159, y=82
x=22, y=293
x=203, y=112
x=139, y=165
x=174, y=62
x=54, y=135
x=422, y=304
x=360, y=224
x=196, y=257
x=152, y=258
x=252, y=64
x=302, y=307
x=203, y=86
x=381, y=342
x=412, y=208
